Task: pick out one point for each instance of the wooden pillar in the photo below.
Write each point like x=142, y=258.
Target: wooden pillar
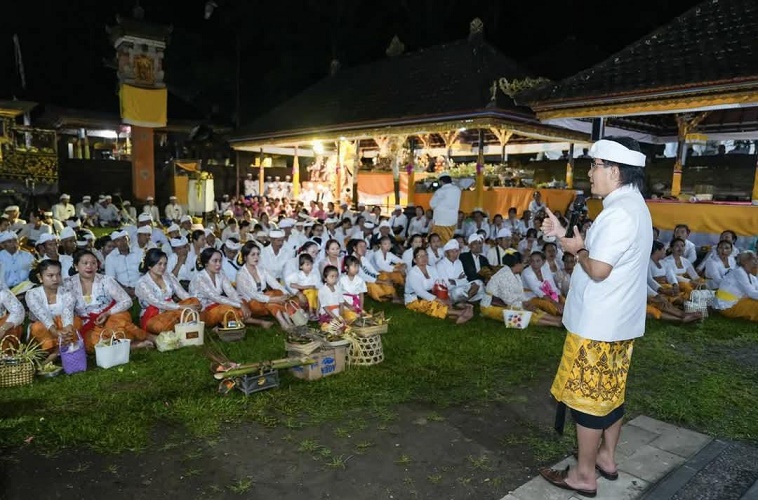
x=143, y=163
x=261, y=174
x=410, y=169
x=338, y=172
x=295, y=176
x=570, y=168
x=480, y=172
x=356, y=168
x=237, y=169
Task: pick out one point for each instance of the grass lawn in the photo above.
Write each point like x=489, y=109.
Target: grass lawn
x=700, y=376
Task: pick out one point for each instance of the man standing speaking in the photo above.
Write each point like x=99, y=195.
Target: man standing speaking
x=445, y=204
x=604, y=311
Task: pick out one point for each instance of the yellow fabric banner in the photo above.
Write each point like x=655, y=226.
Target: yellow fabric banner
x=700, y=217
x=144, y=107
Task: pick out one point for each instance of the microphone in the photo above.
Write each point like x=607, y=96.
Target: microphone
x=577, y=210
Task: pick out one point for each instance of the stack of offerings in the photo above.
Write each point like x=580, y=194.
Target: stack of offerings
x=329, y=357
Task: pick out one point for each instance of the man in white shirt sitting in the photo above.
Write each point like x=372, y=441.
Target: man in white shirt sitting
x=87, y=212
x=275, y=256
x=122, y=263
x=15, y=224
x=15, y=263
x=514, y=223
x=152, y=209
x=399, y=223
x=478, y=221
x=177, y=261
x=63, y=210
x=173, y=211
x=451, y=270
x=107, y=213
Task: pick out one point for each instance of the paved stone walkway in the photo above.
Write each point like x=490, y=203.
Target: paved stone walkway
x=659, y=461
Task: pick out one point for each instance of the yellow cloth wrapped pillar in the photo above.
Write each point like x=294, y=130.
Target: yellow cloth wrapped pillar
x=295, y=176
x=411, y=186
x=143, y=107
x=676, y=180
x=569, y=175
x=755, y=186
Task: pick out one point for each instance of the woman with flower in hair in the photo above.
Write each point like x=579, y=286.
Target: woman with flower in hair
x=265, y=296
x=505, y=290
x=101, y=303
x=12, y=315
x=216, y=294
x=156, y=290
x=51, y=308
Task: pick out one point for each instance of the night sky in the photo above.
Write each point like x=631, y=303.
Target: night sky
x=288, y=45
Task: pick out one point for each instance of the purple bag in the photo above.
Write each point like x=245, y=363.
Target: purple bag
x=74, y=361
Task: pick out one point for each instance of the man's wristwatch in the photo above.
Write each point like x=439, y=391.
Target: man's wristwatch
x=582, y=250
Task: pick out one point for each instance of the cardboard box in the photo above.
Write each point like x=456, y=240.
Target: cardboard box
x=329, y=361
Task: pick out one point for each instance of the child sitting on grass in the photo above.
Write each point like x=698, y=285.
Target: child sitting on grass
x=305, y=284
x=353, y=288
x=330, y=297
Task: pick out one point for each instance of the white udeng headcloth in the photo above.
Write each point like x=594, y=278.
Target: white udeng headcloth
x=615, y=152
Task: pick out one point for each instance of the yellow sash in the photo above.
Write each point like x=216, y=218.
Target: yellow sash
x=726, y=296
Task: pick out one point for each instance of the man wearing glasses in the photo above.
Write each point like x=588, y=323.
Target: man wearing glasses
x=604, y=311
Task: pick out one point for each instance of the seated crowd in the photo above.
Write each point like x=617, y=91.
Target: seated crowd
x=273, y=258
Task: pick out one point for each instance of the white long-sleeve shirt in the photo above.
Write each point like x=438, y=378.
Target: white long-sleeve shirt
x=210, y=292
x=301, y=279
x=434, y=258
x=105, y=290
x=445, y=204
x=715, y=271
x=385, y=262
x=150, y=294
x=12, y=306
x=15, y=267
x=36, y=301
x=664, y=271
x=125, y=268
x=249, y=289
x=533, y=285
x=273, y=262
x=737, y=284
x=686, y=271
x=418, y=225
x=418, y=286
x=173, y=211
x=451, y=270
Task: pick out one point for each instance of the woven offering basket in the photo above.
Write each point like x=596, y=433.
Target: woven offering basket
x=365, y=351
x=231, y=328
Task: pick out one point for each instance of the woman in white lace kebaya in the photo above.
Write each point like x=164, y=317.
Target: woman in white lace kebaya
x=102, y=304
x=264, y=295
x=12, y=316
x=156, y=290
x=216, y=294
x=506, y=291
x=52, y=309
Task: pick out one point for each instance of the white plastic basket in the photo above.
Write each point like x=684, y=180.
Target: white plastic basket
x=692, y=306
x=516, y=318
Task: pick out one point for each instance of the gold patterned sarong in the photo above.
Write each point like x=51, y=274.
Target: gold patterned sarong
x=592, y=374
x=431, y=308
